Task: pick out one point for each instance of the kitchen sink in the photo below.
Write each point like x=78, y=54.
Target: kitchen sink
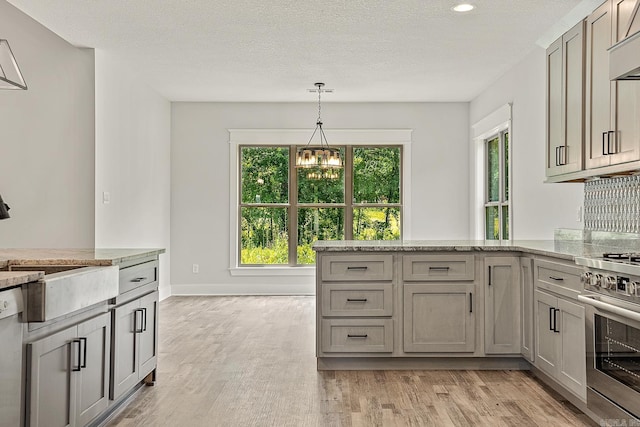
x=65, y=289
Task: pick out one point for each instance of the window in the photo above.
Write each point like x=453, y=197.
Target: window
x=283, y=210
x=497, y=207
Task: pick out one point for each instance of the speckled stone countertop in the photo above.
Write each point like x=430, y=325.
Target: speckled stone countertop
x=83, y=257
x=566, y=249
x=62, y=257
x=10, y=279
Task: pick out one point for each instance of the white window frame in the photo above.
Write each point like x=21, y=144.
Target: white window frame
x=288, y=137
x=500, y=203
x=491, y=125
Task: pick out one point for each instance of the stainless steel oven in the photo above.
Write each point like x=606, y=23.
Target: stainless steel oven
x=612, y=303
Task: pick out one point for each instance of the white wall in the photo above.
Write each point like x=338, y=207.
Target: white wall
x=132, y=163
x=538, y=208
x=200, y=179
x=47, y=139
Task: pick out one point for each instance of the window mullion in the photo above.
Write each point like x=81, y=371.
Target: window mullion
x=292, y=209
x=348, y=192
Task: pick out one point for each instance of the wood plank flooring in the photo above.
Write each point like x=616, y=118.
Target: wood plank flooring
x=250, y=361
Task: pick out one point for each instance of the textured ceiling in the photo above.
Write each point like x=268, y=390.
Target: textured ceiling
x=257, y=50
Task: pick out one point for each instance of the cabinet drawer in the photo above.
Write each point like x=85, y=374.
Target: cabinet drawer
x=339, y=268
x=366, y=299
x=357, y=336
x=138, y=275
x=438, y=267
x=557, y=277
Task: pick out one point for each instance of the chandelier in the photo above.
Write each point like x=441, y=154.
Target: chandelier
x=10, y=75
x=318, y=156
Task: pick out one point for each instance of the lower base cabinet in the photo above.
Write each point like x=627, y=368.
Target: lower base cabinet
x=135, y=349
x=439, y=318
x=68, y=375
x=526, y=307
x=560, y=341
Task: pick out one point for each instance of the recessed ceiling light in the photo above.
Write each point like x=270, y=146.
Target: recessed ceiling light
x=463, y=7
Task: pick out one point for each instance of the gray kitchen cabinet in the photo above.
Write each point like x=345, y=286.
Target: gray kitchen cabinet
x=560, y=341
x=612, y=136
x=502, y=303
x=526, y=308
x=68, y=375
x=439, y=317
x=565, y=99
x=545, y=342
x=355, y=304
x=357, y=335
x=135, y=351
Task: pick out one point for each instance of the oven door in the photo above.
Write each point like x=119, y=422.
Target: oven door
x=613, y=353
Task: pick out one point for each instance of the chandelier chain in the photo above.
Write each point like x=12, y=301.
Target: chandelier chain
x=319, y=105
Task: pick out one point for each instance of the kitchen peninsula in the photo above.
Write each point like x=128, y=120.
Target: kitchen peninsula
x=456, y=305
x=93, y=312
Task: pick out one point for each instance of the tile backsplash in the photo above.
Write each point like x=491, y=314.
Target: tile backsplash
x=612, y=204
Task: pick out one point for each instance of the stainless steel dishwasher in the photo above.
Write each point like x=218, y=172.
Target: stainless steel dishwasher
x=11, y=306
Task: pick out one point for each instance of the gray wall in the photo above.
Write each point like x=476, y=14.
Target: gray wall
x=132, y=162
x=47, y=139
x=200, y=187
x=538, y=208
x=87, y=124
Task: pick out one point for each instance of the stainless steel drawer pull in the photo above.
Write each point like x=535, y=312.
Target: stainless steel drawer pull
x=356, y=300
x=557, y=279
x=357, y=267
x=439, y=268
x=138, y=279
x=356, y=335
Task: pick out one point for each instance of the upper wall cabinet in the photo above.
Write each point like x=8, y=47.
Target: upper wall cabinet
x=593, y=123
x=565, y=103
x=613, y=107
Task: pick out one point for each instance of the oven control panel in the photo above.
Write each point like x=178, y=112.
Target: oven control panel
x=611, y=283
x=626, y=286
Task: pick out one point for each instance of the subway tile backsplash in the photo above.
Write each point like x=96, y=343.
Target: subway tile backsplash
x=612, y=204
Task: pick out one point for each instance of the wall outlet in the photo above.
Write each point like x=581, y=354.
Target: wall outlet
x=106, y=197
x=579, y=214
x=196, y=268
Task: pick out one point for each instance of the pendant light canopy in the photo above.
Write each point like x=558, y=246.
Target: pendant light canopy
x=10, y=75
x=318, y=156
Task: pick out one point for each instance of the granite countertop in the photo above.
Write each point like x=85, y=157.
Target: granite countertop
x=10, y=279
x=83, y=257
x=566, y=249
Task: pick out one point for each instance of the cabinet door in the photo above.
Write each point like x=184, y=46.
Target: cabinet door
x=546, y=343
x=502, y=302
x=52, y=387
x=571, y=157
x=526, y=308
x=148, y=345
x=572, y=349
x=126, y=320
x=555, y=137
x=439, y=318
x=598, y=88
x=93, y=378
x=625, y=97
x=565, y=102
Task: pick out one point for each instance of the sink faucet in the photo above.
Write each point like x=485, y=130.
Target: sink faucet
x=4, y=209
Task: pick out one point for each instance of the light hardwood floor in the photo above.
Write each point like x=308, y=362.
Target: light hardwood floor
x=249, y=361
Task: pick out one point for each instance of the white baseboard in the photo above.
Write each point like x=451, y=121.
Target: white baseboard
x=242, y=289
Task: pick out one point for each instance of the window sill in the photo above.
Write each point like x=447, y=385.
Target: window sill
x=273, y=271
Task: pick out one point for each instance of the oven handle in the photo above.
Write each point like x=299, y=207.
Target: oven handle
x=592, y=300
